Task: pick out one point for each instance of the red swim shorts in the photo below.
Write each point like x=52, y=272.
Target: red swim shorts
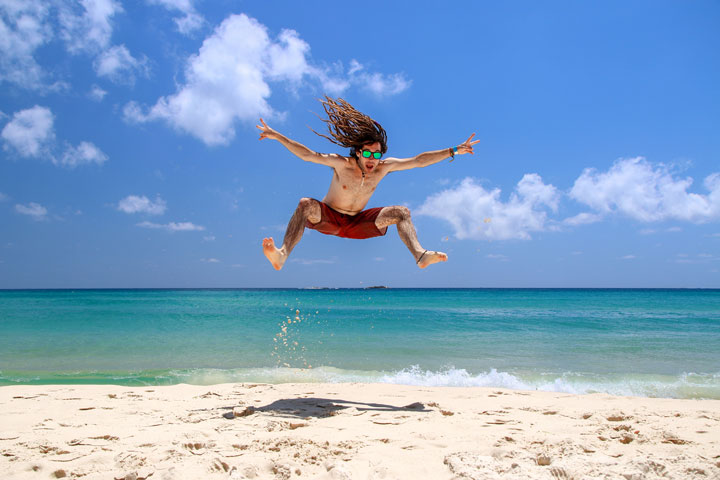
x=361, y=225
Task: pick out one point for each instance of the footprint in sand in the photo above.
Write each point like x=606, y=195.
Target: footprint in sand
x=220, y=466
x=617, y=417
x=561, y=474
x=197, y=448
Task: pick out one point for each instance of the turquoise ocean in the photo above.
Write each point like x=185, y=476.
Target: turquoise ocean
x=655, y=343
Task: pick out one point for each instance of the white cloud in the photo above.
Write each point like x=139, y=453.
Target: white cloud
x=24, y=27
x=3, y=197
x=30, y=132
x=355, y=67
x=381, y=84
x=583, y=219
x=287, y=58
x=84, y=25
x=225, y=81
x=84, y=154
x=476, y=213
x=699, y=259
x=35, y=210
x=88, y=29
x=210, y=260
x=305, y=261
x=228, y=80
x=498, y=256
x=172, y=226
x=191, y=20
x=97, y=93
x=377, y=83
x=628, y=257
x=142, y=204
x=209, y=238
x=647, y=192
x=118, y=65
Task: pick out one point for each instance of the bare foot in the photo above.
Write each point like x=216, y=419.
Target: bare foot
x=276, y=256
x=430, y=257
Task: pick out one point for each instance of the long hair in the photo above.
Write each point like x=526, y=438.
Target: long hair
x=350, y=128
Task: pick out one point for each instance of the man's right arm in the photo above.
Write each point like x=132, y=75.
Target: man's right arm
x=300, y=150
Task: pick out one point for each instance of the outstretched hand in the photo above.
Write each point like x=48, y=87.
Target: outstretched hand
x=265, y=131
x=467, y=145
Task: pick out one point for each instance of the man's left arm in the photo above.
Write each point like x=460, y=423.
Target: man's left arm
x=429, y=158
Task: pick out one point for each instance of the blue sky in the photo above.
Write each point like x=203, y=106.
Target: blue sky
x=129, y=154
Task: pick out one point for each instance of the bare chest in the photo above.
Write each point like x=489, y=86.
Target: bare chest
x=354, y=183
x=350, y=192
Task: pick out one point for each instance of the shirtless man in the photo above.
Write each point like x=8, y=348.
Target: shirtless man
x=354, y=181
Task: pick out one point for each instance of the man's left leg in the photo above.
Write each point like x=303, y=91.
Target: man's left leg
x=400, y=216
x=308, y=209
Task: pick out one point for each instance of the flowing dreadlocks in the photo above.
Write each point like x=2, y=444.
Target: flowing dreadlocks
x=350, y=128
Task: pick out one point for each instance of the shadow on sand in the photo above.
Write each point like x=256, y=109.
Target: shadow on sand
x=326, y=407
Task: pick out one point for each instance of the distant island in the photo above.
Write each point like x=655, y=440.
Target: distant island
x=375, y=286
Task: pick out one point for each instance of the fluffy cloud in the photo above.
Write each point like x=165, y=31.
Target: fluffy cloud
x=97, y=93
x=87, y=29
x=646, y=192
x=84, y=154
x=142, y=204
x=190, y=21
x=118, y=65
x=476, y=213
x=377, y=83
x=24, y=27
x=172, y=226
x=30, y=132
x=582, y=219
x=631, y=187
x=85, y=26
x=35, y=210
x=228, y=80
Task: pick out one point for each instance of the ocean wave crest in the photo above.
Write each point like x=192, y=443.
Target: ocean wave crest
x=685, y=385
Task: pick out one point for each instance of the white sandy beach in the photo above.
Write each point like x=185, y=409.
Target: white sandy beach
x=350, y=431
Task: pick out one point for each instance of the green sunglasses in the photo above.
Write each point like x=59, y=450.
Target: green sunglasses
x=368, y=154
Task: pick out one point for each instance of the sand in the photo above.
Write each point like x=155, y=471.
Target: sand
x=350, y=431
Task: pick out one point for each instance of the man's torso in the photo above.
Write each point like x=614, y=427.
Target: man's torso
x=348, y=192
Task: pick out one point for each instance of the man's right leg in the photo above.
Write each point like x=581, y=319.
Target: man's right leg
x=307, y=209
x=400, y=216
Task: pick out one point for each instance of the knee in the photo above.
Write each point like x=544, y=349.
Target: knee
x=396, y=214
x=403, y=213
x=305, y=204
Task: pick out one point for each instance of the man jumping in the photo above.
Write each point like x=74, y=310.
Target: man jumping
x=341, y=211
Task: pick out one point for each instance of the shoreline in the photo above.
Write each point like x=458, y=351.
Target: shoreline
x=350, y=430
x=699, y=386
